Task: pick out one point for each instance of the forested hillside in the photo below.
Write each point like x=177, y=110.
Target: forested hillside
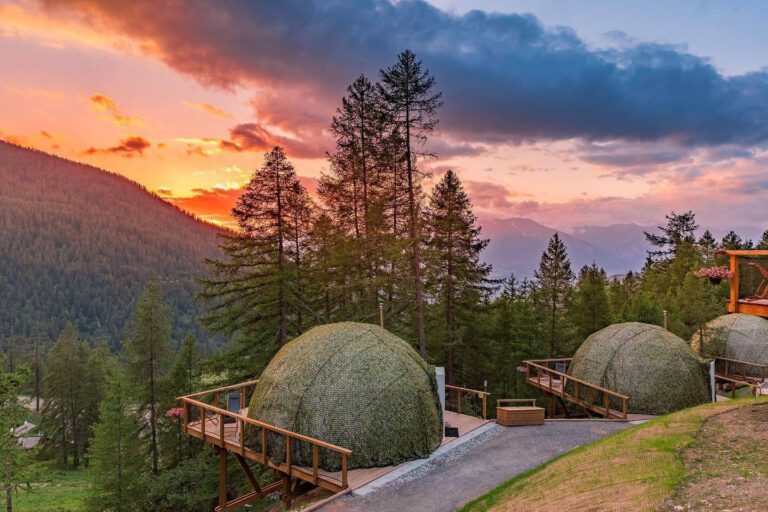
x=78, y=244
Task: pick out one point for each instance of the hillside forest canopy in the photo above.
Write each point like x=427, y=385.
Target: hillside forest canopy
x=113, y=299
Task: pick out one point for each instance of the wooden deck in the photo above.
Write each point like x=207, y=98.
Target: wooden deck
x=746, y=299
x=332, y=481
x=589, y=397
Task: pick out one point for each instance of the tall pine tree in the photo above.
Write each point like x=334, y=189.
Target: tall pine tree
x=148, y=347
x=554, y=282
x=409, y=94
x=118, y=453
x=255, y=291
x=455, y=274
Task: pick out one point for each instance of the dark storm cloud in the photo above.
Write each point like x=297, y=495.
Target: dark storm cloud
x=505, y=77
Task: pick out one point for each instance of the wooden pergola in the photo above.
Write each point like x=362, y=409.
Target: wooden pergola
x=748, y=285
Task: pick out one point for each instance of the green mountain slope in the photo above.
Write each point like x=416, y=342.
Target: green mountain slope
x=78, y=244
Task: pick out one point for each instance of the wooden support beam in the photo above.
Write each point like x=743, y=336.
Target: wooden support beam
x=222, y=478
x=248, y=473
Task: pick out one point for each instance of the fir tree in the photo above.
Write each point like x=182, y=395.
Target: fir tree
x=731, y=241
x=554, y=281
x=117, y=453
x=70, y=389
x=707, y=244
x=762, y=244
x=680, y=229
x=590, y=309
x=409, y=94
x=454, y=271
x=148, y=347
x=13, y=458
x=517, y=327
x=254, y=291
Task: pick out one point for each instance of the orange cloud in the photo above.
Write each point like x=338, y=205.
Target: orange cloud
x=31, y=21
x=35, y=91
x=102, y=103
x=209, y=109
x=128, y=147
x=215, y=204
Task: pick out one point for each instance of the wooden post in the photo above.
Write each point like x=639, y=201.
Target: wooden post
x=381, y=315
x=222, y=478
x=666, y=320
x=734, y=284
x=315, y=462
x=221, y=429
x=287, y=491
x=344, y=470
x=241, y=428
x=458, y=401
x=202, y=422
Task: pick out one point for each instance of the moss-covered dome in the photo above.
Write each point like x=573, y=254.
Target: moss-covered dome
x=354, y=385
x=735, y=336
x=657, y=370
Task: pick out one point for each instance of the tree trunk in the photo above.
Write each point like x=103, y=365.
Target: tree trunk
x=8, y=488
x=416, y=255
x=152, y=419
x=282, y=335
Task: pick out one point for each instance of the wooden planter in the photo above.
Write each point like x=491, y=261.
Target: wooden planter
x=519, y=415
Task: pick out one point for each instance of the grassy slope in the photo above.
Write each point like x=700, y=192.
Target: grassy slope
x=633, y=470
x=53, y=489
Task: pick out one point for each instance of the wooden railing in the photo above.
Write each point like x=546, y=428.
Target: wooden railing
x=744, y=370
x=458, y=391
x=210, y=427
x=739, y=300
x=589, y=396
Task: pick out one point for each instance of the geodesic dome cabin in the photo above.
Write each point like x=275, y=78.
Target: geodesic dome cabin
x=657, y=370
x=734, y=336
x=354, y=385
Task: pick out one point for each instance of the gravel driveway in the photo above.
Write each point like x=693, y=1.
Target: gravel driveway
x=457, y=477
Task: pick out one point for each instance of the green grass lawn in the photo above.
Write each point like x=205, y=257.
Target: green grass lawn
x=53, y=489
x=633, y=470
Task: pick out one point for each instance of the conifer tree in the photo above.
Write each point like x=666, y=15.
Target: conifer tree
x=554, y=282
x=184, y=377
x=70, y=389
x=516, y=329
x=680, y=229
x=762, y=244
x=13, y=458
x=353, y=191
x=707, y=244
x=118, y=453
x=409, y=94
x=590, y=309
x=253, y=292
x=148, y=347
x=454, y=271
x=732, y=241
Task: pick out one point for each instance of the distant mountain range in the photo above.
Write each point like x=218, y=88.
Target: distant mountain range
x=78, y=244
x=517, y=244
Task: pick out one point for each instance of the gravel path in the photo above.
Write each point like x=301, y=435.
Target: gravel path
x=450, y=481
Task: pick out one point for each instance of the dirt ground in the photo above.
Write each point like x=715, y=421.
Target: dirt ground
x=726, y=467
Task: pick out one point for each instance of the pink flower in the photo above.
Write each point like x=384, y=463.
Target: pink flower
x=714, y=273
x=175, y=412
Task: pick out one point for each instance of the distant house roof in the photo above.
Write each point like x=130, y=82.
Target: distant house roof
x=29, y=442
x=24, y=429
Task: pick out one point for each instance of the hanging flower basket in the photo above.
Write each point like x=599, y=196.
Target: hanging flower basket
x=714, y=274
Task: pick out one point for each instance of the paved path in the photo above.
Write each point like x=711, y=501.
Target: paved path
x=450, y=481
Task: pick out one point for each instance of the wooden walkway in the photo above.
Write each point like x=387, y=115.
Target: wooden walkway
x=332, y=481
x=592, y=399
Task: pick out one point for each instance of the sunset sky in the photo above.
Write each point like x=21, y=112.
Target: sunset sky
x=569, y=113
